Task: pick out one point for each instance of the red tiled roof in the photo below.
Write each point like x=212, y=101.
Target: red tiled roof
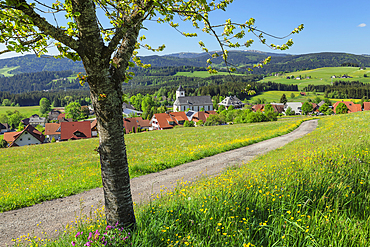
x=258, y=107
x=75, y=130
x=10, y=136
x=162, y=120
x=61, y=116
x=278, y=108
x=350, y=105
x=142, y=122
x=51, y=128
x=366, y=106
x=94, y=124
x=178, y=116
x=203, y=115
x=128, y=123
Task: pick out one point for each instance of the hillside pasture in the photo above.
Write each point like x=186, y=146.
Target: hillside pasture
x=313, y=191
x=5, y=71
x=274, y=97
x=32, y=174
x=322, y=76
x=204, y=74
x=26, y=111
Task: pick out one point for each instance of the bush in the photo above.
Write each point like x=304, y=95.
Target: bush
x=189, y=124
x=255, y=117
x=3, y=144
x=53, y=139
x=200, y=123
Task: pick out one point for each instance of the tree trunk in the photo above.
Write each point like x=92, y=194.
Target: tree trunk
x=106, y=96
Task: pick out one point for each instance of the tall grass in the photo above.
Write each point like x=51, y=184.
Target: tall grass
x=314, y=191
x=32, y=174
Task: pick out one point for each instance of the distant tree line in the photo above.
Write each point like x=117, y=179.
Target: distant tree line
x=57, y=98
x=342, y=90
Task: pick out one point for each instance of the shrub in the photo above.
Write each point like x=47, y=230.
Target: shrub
x=341, y=108
x=200, y=123
x=53, y=139
x=3, y=144
x=189, y=124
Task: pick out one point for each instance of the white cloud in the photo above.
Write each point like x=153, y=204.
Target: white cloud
x=362, y=25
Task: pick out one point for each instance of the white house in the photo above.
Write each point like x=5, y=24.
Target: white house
x=295, y=106
x=28, y=136
x=232, y=101
x=193, y=103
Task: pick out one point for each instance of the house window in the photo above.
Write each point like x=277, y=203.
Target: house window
x=20, y=139
x=29, y=138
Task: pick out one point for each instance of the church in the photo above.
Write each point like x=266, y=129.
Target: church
x=193, y=103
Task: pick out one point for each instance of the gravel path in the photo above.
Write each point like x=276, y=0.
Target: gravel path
x=54, y=215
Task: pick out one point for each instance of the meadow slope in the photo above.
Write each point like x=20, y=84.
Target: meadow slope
x=33, y=174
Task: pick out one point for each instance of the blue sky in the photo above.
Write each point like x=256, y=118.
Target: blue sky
x=330, y=26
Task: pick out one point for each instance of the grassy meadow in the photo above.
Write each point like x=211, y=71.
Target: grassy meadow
x=274, y=96
x=24, y=110
x=5, y=71
x=314, y=191
x=203, y=74
x=32, y=174
x=322, y=76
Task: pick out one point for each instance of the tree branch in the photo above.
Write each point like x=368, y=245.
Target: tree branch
x=136, y=19
x=45, y=26
x=24, y=43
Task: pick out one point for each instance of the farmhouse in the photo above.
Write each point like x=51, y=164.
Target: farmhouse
x=129, y=110
x=161, y=121
x=295, y=106
x=4, y=127
x=278, y=107
x=53, y=115
x=28, y=136
x=202, y=115
x=34, y=120
x=130, y=125
x=194, y=103
x=350, y=105
x=232, y=101
x=52, y=130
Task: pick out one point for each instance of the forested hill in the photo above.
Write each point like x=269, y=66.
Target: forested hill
x=313, y=61
x=32, y=63
x=279, y=62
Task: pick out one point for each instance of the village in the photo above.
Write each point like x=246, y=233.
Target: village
x=188, y=111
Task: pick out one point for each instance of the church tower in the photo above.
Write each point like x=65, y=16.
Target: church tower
x=180, y=92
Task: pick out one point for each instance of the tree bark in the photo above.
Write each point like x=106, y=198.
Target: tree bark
x=106, y=96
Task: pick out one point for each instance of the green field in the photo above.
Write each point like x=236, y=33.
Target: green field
x=322, y=76
x=313, y=191
x=274, y=97
x=5, y=71
x=32, y=174
x=24, y=110
x=203, y=74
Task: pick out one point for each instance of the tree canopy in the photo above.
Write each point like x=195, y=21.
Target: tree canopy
x=307, y=108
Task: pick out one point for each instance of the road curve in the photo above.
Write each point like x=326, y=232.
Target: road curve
x=54, y=215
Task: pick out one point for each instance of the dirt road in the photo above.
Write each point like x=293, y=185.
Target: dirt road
x=54, y=215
